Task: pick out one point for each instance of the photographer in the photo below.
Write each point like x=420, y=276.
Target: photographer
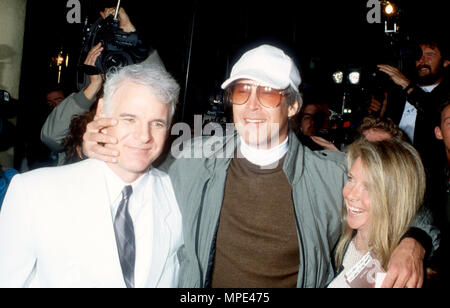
x=413, y=108
x=57, y=124
x=419, y=98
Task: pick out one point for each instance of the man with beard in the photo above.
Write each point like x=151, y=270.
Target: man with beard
x=420, y=98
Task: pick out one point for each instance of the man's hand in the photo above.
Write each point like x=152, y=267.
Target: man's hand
x=124, y=21
x=96, y=136
x=95, y=81
x=397, y=77
x=327, y=145
x=405, y=268
x=376, y=106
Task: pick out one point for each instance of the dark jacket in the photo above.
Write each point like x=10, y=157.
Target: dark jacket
x=427, y=105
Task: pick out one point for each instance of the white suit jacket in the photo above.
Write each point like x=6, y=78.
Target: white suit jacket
x=56, y=230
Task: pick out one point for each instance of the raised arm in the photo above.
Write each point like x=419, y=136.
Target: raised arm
x=57, y=124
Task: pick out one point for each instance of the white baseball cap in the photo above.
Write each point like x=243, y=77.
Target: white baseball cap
x=267, y=65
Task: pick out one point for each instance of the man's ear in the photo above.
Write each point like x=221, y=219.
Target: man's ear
x=446, y=63
x=438, y=133
x=293, y=109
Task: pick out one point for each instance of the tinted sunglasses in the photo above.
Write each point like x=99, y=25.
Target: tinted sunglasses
x=239, y=94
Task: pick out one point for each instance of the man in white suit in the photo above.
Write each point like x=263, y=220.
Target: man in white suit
x=95, y=224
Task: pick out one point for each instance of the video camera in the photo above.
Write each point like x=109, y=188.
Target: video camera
x=119, y=48
x=398, y=51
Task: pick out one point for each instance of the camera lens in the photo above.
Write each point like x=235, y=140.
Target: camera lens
x=115, y=59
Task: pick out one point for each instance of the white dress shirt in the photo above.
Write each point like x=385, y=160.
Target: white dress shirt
x=141, y=212
x=408, y=122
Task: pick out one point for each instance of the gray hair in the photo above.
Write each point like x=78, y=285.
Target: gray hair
x=157, y=79
x=293, y=96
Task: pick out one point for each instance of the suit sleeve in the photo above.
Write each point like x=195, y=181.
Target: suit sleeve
x=429, y=236
x=17, y=251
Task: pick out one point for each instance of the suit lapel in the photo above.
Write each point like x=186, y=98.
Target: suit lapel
x=98, y=227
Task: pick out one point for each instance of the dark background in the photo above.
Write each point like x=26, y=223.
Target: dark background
x=208, y=36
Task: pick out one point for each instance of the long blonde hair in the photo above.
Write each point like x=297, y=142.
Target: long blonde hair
x=396, y=189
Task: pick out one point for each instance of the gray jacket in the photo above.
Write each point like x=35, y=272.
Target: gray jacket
x=317, y=179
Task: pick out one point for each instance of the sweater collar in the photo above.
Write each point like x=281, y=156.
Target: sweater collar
x=262, y=157
x=293, y=161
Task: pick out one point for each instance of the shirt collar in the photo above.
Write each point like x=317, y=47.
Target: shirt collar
x=429, y=88
x=115, y=185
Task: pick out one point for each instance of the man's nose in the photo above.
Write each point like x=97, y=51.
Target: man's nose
x=422, y=60
x=253, y=101
x=144, y=133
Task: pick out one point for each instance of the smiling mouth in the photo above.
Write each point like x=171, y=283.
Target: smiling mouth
x=354, y=211
x=424, y=67
x=254, y=121
x=139, y=150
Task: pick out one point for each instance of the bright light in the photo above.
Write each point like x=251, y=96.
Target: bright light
x=59, y=59
x=389, y=9
x=354, y=77
x=338, y=77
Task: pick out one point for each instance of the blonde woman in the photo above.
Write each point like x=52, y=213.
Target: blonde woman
x=385, y=188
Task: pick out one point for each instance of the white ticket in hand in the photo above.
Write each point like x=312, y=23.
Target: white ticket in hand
x=364, y=274
x=379, y=279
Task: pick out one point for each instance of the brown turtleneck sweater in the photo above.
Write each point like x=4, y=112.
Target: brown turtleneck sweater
x=257, y=242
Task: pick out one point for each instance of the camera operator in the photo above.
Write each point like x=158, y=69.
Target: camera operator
x=413, y=109
x=57, y=124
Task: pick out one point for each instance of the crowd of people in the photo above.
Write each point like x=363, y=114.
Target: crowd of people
x=274, y=204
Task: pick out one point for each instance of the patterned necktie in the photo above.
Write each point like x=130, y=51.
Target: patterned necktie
x=126, y=246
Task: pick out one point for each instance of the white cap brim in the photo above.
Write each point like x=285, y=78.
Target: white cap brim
x=260, y=78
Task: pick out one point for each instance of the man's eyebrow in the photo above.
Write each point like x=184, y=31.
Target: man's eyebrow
x=162, y=121
x=127, y=115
